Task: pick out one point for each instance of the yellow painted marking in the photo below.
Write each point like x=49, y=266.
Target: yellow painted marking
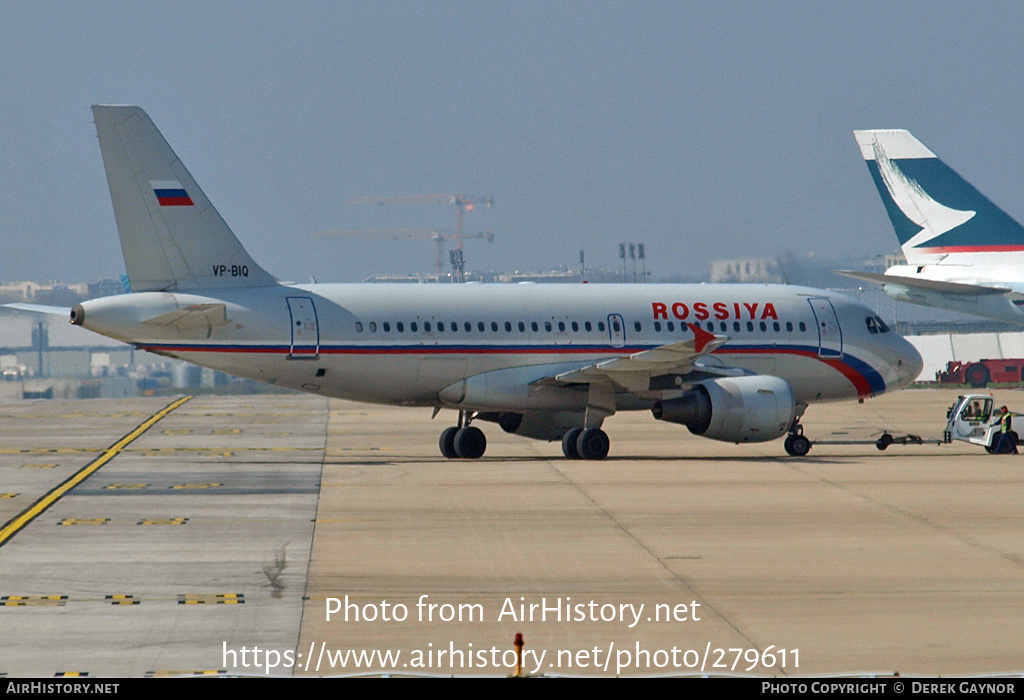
x=122, y=599
x=126, y=486
x=39, y=465
x=211, y=599
x=170, y=674
x=20, y=600
x=196, y=486
x=178, y=431
x=163, y=521
x=83, y=521
x=71, y=674
x=227, y=431
x=20, y=521
x=8, y=495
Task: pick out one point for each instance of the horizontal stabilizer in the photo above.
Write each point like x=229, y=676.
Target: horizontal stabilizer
x=41, y=309
x=926, y=284
x=194, y=316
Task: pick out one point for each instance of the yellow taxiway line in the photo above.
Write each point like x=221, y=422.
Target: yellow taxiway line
x=15, y=524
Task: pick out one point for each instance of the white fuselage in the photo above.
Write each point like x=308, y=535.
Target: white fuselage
x=405, y=344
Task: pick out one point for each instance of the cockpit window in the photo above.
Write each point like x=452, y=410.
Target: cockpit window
x=882, y=328
x=872, y=326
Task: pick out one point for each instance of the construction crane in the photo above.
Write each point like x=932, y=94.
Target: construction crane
x=409, y=234
x=462, y=205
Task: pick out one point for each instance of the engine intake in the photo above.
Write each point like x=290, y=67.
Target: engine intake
x=733, y=409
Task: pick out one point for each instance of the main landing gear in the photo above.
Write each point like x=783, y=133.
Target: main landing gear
x=463, y=440
x=796, y=444
x=589, y=443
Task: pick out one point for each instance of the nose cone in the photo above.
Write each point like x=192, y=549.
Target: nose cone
x=908, y=363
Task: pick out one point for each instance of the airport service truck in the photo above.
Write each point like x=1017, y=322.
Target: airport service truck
x=971, y=419
x=979, y=373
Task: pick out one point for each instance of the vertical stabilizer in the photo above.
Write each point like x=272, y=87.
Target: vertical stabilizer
x=935, y=212
x=172, y=237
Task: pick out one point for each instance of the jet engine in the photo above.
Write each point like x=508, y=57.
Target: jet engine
x=733, y=409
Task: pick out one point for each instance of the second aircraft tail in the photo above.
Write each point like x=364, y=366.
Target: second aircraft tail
x=935, y=212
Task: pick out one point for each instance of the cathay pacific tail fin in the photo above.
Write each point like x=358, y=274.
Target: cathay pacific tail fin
x=935, y=212
x=172, y=237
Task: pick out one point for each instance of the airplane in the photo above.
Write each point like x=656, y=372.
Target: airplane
x=736, y=363
x=963, y=252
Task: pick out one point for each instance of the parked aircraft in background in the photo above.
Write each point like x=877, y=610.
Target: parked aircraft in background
x=737, y=363
x=963, y=252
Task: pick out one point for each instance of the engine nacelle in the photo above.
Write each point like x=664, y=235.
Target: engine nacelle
x=734, y=409
x=539, y=425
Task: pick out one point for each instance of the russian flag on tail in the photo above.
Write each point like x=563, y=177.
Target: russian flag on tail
x=170, y=193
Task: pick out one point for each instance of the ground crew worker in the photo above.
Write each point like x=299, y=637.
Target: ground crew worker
x=1005, y=427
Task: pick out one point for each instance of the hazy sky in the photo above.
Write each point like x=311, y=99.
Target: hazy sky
x=706, y=130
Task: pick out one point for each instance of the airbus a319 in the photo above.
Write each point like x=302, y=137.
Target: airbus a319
x=736, y=363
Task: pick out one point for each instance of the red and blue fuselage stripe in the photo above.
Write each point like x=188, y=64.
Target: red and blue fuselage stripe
x=865, y=378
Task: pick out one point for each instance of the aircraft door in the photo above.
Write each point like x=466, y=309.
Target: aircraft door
x=305, y=333
x=830, y=335
x=616, y=330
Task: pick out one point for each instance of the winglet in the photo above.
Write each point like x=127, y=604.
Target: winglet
x=701, y=337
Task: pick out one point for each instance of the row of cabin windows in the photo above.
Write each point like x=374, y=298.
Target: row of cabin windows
x=481, y=327
x=549, y=326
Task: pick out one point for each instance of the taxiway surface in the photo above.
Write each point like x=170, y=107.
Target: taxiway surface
x=235, y=523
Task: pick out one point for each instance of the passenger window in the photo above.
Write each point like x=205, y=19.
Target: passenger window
x=508, y=326
x=789, y=326
x=764, y=326
x=803, y=327
x=373, y=326
x=776, y=327
x=359, y=326
x=547, y=326
x=494, y=326
x=723, y=326
x=561, y=326
x=750, y=326
x=670, y=325
x=413, y=327
x=480, y=326
x=533, y=325
x=588, y=326
x=600, y=326
x=426, y=327
x=400, y=326
x=636, y=326
x=468, y=326
x=736, y=326
x=387, y=327
x=522, y=327
x=657, y=326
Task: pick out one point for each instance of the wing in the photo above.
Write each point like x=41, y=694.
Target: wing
x=973, y=290
x=635, y=371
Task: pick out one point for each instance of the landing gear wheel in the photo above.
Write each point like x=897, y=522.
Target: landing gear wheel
x=447, y=442
x=797, y=445
x=569, y=443
x=593, y=443
x=883, y=442
x=470, y=443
